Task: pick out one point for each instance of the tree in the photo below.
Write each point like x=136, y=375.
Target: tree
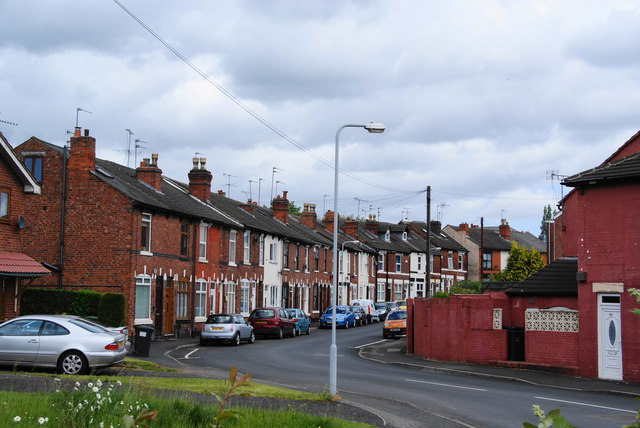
x=294, y=209
x=521, y=264
x=547, y=215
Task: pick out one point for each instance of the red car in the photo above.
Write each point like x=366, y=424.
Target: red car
x=272, y=322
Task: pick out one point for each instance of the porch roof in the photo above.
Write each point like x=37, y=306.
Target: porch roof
x=18, y=264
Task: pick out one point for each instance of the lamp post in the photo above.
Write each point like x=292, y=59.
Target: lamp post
x=375, y=128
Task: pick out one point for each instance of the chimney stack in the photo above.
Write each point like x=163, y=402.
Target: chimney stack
x=308, y=216
x=148, y=172
x=200, y=180
x=249, y=207
x=505, y=230
x=464, y=227
x=280, y=207
x=372, y=224
x=328, y=221
x=82, y=152
x=351, y=227
x=436, y=227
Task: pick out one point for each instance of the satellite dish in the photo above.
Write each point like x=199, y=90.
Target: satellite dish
x=21, y=224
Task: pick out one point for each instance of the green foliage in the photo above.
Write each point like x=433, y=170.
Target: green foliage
x=294, y=209
x=440, y=295
x=547, y=214
x=552, y=419
x=635, y=293
x=234, y=384
x=521, y=264
x=111, y=309
x=466, y=287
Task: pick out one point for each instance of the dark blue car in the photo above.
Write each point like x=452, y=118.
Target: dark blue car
x=344, y=317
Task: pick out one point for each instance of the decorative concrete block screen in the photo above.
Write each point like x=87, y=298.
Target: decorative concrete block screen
x=554, y=319
x=497, y=318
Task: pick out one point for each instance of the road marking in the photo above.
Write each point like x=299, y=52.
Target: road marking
x=586, y=404
x=186, y=357
x=445, y=384
x=369, y=344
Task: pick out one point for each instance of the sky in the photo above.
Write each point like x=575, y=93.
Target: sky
x=484, y=101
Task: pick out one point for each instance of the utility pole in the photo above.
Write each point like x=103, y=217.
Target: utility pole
x=481, y=247
x=428, y=261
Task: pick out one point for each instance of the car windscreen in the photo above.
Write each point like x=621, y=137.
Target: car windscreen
x=93, y=328
x=263, y=313
x=219, y=319
x=397, y=315
x=339, y=310
x=381, y=306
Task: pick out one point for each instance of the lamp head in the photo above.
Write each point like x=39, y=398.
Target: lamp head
x=374, y=128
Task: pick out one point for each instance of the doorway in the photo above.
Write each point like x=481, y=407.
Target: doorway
x=609, y=337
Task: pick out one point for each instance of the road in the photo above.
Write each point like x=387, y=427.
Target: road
x=403, y=396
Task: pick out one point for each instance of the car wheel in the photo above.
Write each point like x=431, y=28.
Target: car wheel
x=280, y=334
x=252, y=337
x=73, y=363
x=308, y=330
x=236, y=340
x=346, y=324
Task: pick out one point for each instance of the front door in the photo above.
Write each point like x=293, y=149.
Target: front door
x=609, y=332
x=169, y=311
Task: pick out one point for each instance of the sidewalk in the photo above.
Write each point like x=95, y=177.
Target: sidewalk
x=395, y=352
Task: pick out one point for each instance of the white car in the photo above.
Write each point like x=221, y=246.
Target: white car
x=369, y=308
x=69, y=343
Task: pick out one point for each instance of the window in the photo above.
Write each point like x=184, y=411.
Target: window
x=450, y=260
x=296, y=258
x=273, y=252
x=316, y=302
x=306, y=259
x=247, y=247
x=380, y=292
x=182, y=299
x=419, y=289
x=397, y=291
x=404, y=236
x=202, y=247
x=232, y=246
x=419, y=263
x=184, y=239
x=34, y=165
x=316, y=258
x=285, y=255
x=273, y=295
x=261, y=251
x=244, y=296
x=212, y=297
x=398, y=263
x=387, y=236
x=326, y=258
x=381, y=262
x=4, y=204
x=486, y=260
x=201, y=299
x=431, y=263
x=143, y=299
x=145, y=233
x=231, y=296
x=460, y=260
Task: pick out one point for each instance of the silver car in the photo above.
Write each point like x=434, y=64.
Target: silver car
x=66, y=342
x=231, y=328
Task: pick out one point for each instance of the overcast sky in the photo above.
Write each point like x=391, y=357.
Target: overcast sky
x=480, y=98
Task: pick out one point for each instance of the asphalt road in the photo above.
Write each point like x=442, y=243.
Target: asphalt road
x=402, y=396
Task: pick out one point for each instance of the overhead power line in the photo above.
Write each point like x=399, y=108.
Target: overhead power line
x=243, y=106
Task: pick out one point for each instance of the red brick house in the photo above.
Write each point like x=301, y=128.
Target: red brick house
x=17, y=268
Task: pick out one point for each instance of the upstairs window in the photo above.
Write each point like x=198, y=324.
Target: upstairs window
x=450, y=260
x=184, y=239
x=145, y=233
x=380, y=262
x=4, y=204
x=261, y=251
x=486, y=260
x=460, y=261
x=247, y=247
x=285, y=255
x=34, y=165
x=232, y=246
x=419, y=263
x=387, y=236
x=398, y=263
x=296, y=258
x=316, y=258
x=273, y=252
x=202, y=246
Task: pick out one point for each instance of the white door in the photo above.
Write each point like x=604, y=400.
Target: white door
x=610, y=351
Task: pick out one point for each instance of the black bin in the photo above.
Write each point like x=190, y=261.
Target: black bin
x=515, y=343
x=142, y=340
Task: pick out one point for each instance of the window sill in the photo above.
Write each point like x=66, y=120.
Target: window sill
x=199, y=319
x=142, y=321
x=246, y=263
x=232, y=264
x=146, y=253
x=201, y=260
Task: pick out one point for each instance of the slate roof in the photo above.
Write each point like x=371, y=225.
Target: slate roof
x=626, y=168
x=555, y=279
x=377, y=241
x=441, y=240
x=492, y=240
x=524, y=239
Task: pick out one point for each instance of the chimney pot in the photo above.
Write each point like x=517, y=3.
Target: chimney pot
x=195, y=162
x=203, y=162
x=154, y=159
x=86, y=132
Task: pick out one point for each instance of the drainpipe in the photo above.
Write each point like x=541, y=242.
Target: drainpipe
x=63, y=198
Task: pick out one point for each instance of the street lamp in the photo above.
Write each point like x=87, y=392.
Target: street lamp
x=375, y=128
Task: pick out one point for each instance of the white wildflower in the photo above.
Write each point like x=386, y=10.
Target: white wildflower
x=98, y=382
x=95, y=389
x=90, y=385
x=17, y=419
x=41, y=420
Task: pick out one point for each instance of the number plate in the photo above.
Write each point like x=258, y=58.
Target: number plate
x=217, y=328
x=121, y=344
x=394, y=329
x=261, y=322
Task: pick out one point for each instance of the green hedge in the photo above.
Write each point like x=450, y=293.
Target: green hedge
x=108, y=308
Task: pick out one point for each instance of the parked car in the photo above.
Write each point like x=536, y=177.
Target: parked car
x=344, y=317
x=402, y=305
x=272, y=322
x=369, y=309
x=395, y=324
x=229, y=328
x=384, y=308
x=302, y=320
x=360, y=315
x=69, y=343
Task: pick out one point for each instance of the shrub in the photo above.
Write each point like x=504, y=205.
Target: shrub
x=111, y=309
x=440, y=295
